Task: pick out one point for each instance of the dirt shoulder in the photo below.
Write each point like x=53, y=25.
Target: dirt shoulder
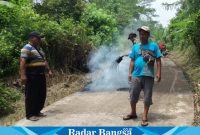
x=189, y=61
x=59, y=87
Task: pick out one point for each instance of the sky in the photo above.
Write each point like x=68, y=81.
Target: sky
x=164, y=16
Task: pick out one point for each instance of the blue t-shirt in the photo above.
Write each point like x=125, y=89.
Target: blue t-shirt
x=141, y=68
x=131, y=48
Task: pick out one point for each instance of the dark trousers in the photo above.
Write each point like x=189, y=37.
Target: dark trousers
x=35, y=94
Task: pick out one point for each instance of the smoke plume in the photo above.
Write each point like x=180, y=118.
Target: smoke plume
x=106, y=74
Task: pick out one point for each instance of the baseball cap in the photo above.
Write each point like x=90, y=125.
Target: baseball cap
x=145, y=28
x=131, y=35
x=35, y=34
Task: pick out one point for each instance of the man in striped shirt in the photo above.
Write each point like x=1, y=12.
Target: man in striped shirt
x=32, y=73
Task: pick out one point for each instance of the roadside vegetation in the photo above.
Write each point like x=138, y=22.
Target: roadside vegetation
x=182, y=37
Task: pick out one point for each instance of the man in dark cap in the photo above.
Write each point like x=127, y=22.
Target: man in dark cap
x=33, y=65
x=141, y=73
x=132, y=37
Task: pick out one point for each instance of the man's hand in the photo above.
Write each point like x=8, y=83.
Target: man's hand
x=23, y=79
x=129, y=78
x=158, y=77
x=50, y=74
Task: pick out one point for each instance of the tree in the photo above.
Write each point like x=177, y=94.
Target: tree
x=61, y=8
x=125, y=10
x=183, y=30
x=101, y=24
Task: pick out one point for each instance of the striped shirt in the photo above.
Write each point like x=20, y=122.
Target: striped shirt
x=34, y=59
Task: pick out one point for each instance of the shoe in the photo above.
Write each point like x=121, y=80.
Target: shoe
x=128, y=117
x=33, y=118
x=41, y=115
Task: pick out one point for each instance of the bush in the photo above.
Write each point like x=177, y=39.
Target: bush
x=7, y=99
x=9, y=58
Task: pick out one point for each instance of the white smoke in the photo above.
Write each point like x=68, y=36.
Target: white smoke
x=106, y=73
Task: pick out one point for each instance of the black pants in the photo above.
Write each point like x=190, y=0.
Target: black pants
x=35, y=94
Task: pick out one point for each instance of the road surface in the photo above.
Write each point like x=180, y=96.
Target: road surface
x=172, y=98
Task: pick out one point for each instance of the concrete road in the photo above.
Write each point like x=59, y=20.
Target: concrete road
x=172, y=98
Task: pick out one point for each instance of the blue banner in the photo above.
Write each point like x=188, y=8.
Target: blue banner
x=99, y=131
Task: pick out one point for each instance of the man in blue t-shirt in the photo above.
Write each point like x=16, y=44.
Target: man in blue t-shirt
x=132, y=36
x=141, y=72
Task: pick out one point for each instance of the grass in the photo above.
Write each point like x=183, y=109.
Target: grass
x=59, y=87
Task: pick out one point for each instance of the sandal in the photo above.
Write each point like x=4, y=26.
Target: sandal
x=144, y=123
x=128, y=117
x=41, y=115
x=33, y=118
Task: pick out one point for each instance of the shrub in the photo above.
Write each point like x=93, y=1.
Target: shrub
x=8, y=97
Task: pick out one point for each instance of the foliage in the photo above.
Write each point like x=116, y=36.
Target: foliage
x=183, y=30
x=101, y=24
x=7, y=99
x=19, y=20
x=193, y=30
x=157, y=33
x=16, y=23
x=61, y=8
x=125, y=10
x=63, y=47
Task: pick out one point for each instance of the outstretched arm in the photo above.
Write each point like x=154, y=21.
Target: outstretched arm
x=125, y=55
